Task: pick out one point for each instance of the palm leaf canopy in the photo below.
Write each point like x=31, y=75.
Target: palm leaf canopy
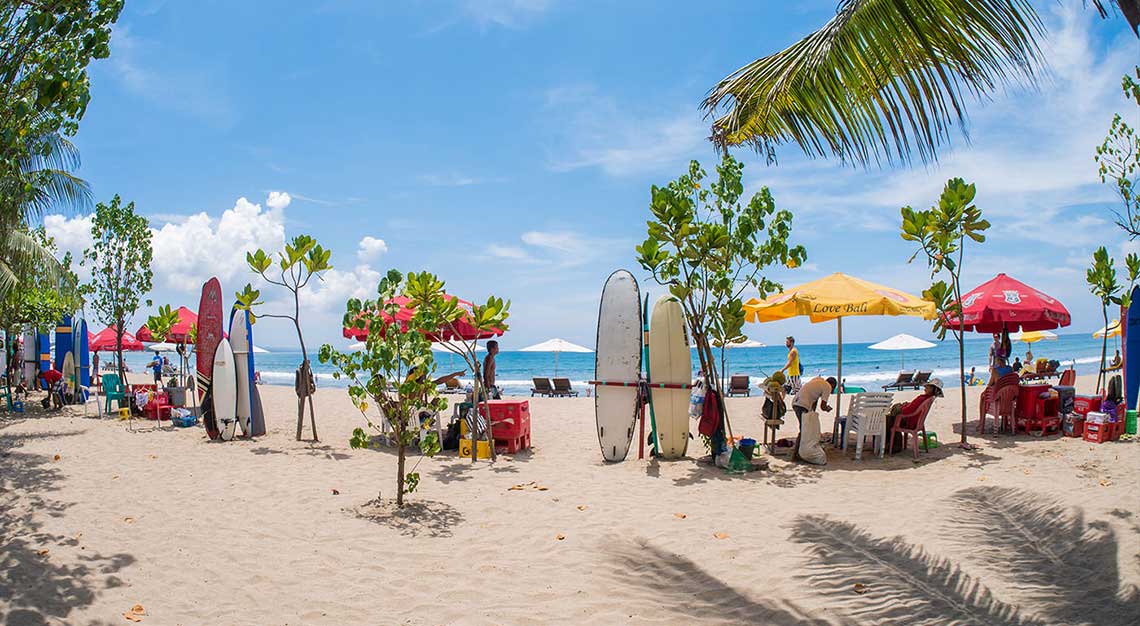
x=882, y=81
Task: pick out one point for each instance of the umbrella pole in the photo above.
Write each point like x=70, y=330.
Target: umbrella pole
x=555, y=362
x=839, y=386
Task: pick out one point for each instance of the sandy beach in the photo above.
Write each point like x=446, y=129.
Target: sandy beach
x=97, y=519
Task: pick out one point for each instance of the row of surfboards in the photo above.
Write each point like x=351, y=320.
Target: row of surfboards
x=631, y=335
x=72, y=356
x=230, y=399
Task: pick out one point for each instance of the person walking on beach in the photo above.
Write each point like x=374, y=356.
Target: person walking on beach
x=489, y=370
x=792, y=367
x=156, y=366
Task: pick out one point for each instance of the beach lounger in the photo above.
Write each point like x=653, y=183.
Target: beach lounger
x=903, y=379
x=920, y=379
x=738, y=386
x=542, y=387
x=562, y=387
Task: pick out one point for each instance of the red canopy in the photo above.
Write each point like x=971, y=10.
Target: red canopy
x=465, y=331
x=105, y=340
x=179, y=333
x=1006, y=303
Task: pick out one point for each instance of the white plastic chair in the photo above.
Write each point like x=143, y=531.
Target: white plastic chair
x=868, y=418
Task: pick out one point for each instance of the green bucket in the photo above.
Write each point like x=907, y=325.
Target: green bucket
x=1130, y=422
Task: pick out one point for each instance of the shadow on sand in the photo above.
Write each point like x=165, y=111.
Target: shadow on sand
x=418, y=517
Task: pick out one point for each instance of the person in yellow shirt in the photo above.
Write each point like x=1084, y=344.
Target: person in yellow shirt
x=792, y=367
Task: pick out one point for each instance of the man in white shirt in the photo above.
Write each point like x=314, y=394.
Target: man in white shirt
x=814, y=391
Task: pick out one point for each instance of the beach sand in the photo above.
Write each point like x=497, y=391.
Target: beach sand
x=96, y=519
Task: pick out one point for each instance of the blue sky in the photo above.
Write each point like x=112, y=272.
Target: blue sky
x=510, y=145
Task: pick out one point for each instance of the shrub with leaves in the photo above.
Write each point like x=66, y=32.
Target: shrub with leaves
x=393, y=375
x=1101, y=278
x=941, y=233
x=1118, y=162
x=293, y=269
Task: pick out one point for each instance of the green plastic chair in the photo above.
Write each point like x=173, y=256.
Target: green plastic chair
x=113, y=390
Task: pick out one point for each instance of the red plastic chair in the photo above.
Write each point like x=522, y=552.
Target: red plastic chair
x=159, y=402
x=917, y=431
x=1001, y=404
x=1068, y=378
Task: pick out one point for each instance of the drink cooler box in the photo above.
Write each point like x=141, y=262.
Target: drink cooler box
x=510, y=423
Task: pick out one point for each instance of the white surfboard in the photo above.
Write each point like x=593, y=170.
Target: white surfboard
x=240, y=343
x=670, y=362
x=223, y=389
x=69, y=378
x=31, y=359
x=618, y=359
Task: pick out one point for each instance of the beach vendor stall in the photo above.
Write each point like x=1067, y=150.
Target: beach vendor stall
x=834, y=297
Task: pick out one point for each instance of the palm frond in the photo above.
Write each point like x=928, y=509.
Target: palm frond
x=904, y=583
x=1130, y=9
x=882, y=81
x=1069, y=567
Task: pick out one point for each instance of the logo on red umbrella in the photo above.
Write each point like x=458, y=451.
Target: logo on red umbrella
x=1012, y=296
x=970, y=300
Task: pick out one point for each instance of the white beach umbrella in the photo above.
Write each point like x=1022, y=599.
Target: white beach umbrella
x=557, y=346
x=162, y=347
x=260, y=350
x=902, y=342
x=747, y=343
x=357, y=346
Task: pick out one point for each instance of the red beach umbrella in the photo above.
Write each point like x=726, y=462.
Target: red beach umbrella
x=179, y=333
x=104, y=340
x=463, y=328
x=1004, y=303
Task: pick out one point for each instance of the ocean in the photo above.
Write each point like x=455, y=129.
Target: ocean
x=861, y=365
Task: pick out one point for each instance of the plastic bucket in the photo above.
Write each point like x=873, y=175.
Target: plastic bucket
x=1130, y=422
x=747, y=447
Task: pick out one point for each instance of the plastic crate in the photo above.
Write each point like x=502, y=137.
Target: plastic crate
x=510, y=419
x=184, y=421
x=1098, y=433
x=1074, y=426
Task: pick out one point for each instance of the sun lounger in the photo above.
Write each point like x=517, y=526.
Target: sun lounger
x=562, y=387
x=904, y=379
x=738, y=386
x=920, y=379
x=542, y=387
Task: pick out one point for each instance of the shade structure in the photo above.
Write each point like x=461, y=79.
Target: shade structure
x=834, y=297
x=104, y=340
x=179, y=333
x=1112, y=330
x=557, y=346
x=1005, y=303
x=464, y=330
x=902, y=342
x=1032, y=336
x=260, y=350
x=162, y=347
x=359, y=345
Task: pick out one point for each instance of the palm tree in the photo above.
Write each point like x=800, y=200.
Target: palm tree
x=884, y=80
x=42, y=181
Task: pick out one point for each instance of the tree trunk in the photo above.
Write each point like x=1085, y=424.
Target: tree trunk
x=119, y=352
x=401, y=450
x=1103, y=350
x=961, y=377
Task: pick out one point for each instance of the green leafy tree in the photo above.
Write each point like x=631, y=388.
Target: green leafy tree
x=883, y=80
x=162, y=323
x=119, y=261
x=293, y=269
x=393, y=374
x=445, y=318
x=1118, y=161
x=1102, y=282
x=941, y=233
x=708, y=248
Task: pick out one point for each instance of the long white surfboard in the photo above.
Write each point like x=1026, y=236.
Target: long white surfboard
x=243, y=365
x=671, y=363
x=618, y=359
x=223, y=389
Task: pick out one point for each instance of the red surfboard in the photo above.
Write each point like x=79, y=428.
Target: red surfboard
x=210, y=322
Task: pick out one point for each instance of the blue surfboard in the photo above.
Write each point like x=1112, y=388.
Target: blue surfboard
x=62, y=343
x=43, y=353
x=1132, y=350
x=82, y=349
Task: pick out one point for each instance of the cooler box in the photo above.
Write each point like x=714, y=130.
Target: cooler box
x=1098, y=432
x=509, y=418
x=1066, y=395
x=1083, y=405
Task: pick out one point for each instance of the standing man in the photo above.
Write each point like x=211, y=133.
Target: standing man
x=996, y=351
x=792, y=367
x=156, y=365
x=489, y=370
x=814, y=391
x=95, y=366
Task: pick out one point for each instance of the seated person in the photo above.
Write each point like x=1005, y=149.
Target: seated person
x=905, y=415
x=1017, y=367
x=999, y=369
x=971, y=378
x=1115, y=363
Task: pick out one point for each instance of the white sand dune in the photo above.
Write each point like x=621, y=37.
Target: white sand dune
x=275, y=531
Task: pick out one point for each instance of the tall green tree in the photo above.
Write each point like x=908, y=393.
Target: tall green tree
x=293, y=269
x=393, y=374
x=708, y=248
x=884, y=80
x=119, y=261
x=941, y=233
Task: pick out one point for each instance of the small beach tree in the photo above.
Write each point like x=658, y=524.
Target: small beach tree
x=708, y=248
x=941, y=233
x=302, y=260
x=445, y=317
x=119, y=260
x=1101, y=278
x=1118, y=162
x=392, y=372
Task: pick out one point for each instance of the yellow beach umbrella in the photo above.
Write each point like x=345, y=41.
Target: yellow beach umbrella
x=1112, y=330
x=1032, y=336
x=835, y=297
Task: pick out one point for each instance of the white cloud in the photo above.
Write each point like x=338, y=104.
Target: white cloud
x=506, y=13
x=593, y=131
x=278, y=200
x=71, y=235
x=508, y=252
x=559, y=248
x=330, y=294
x=370, y=248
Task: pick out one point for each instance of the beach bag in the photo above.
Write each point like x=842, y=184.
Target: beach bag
x=810, y=450
x=710, y=415
x=451, y=437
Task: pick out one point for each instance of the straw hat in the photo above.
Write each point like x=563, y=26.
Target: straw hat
x=937, y=384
